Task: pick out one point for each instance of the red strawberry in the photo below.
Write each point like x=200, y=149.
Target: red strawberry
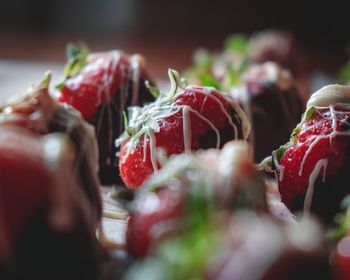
x=269, y=96
x=341, y=259
x=152, y=217
x=37, y=111
x=23, y=179
x=101, y=86
x=190, y=119
x=44, y=219
x=49, y=199
x=312, y=168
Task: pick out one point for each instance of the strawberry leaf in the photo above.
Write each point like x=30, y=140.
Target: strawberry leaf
x=237, y=43
x=209, y=81
x=309, y=113
x=342, y=221
x=295, y=133
x=152, y=89
x=344, y=75
x=77, y=59
x=46, y=81
x=281, y=150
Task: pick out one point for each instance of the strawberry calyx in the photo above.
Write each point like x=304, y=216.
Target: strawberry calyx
x=344, y=75
x=141, y=121
x=272, y=163
x=77, y=55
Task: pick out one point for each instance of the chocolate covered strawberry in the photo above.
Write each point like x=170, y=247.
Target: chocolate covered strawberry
x=101, y=86
x=312, y=169
x=269, y=96
x=267, y=92
x=37, y=111
x=188, y=118
x=46, y=225
x=187, y=187
x=49, y=197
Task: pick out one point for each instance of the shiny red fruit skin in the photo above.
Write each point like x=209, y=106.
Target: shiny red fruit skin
x=96, y=84
x=134, y=169
x=336, y=151
x=24, y=180
x=151, y=220
x=341, y=259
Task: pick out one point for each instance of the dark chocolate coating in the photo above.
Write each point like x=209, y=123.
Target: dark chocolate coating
x=271, y=123
x=84, y=170
x=111, y=127
x=42, y=252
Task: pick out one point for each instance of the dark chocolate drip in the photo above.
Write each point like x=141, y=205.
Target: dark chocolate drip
x=111, y=127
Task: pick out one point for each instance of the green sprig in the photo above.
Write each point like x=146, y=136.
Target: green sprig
x=77, y=59
x=237, y=43
x=152, y=89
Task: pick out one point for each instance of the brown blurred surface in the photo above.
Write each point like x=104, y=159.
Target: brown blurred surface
x=160, y=52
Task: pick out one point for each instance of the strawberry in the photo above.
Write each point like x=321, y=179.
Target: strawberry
x=37, y=111
x=100, y=86
x=44, y=222
x=269, y=96
x=312, y=169
x=187, y=189
x=273, y=45
x=188, y=119
x=341, y=259
x=151, y=219
x=21, y=196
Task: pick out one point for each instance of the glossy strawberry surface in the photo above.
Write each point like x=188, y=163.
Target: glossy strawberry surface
x=154, y=216
x=23, y=180
x=105, y=86
x=341, y=259
x=316, y=161
x=96, y=84
x=213, y=121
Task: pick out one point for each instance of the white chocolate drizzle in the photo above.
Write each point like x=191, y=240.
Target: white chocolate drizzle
x=268, y=72
x=130, y=69
x=186, y=129
x=36, y=110
x=144, y=121
x=321, y=164
x=332, y=97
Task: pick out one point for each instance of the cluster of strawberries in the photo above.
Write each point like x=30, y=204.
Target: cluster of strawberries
x=201, y=209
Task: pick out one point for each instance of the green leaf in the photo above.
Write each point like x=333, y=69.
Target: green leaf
x=202, y=58
x=46, y=81
x=173, y=76
x=344, y=75
x=295, y=133
x=126, y=124
x=175, y=82
x=309, y=113
x=77, y=59
x=281, y=150
x=152, y=89
x=209, y=81
x=237, y=43
x=232, y=77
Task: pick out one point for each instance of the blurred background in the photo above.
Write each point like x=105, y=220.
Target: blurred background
x=34, y=33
